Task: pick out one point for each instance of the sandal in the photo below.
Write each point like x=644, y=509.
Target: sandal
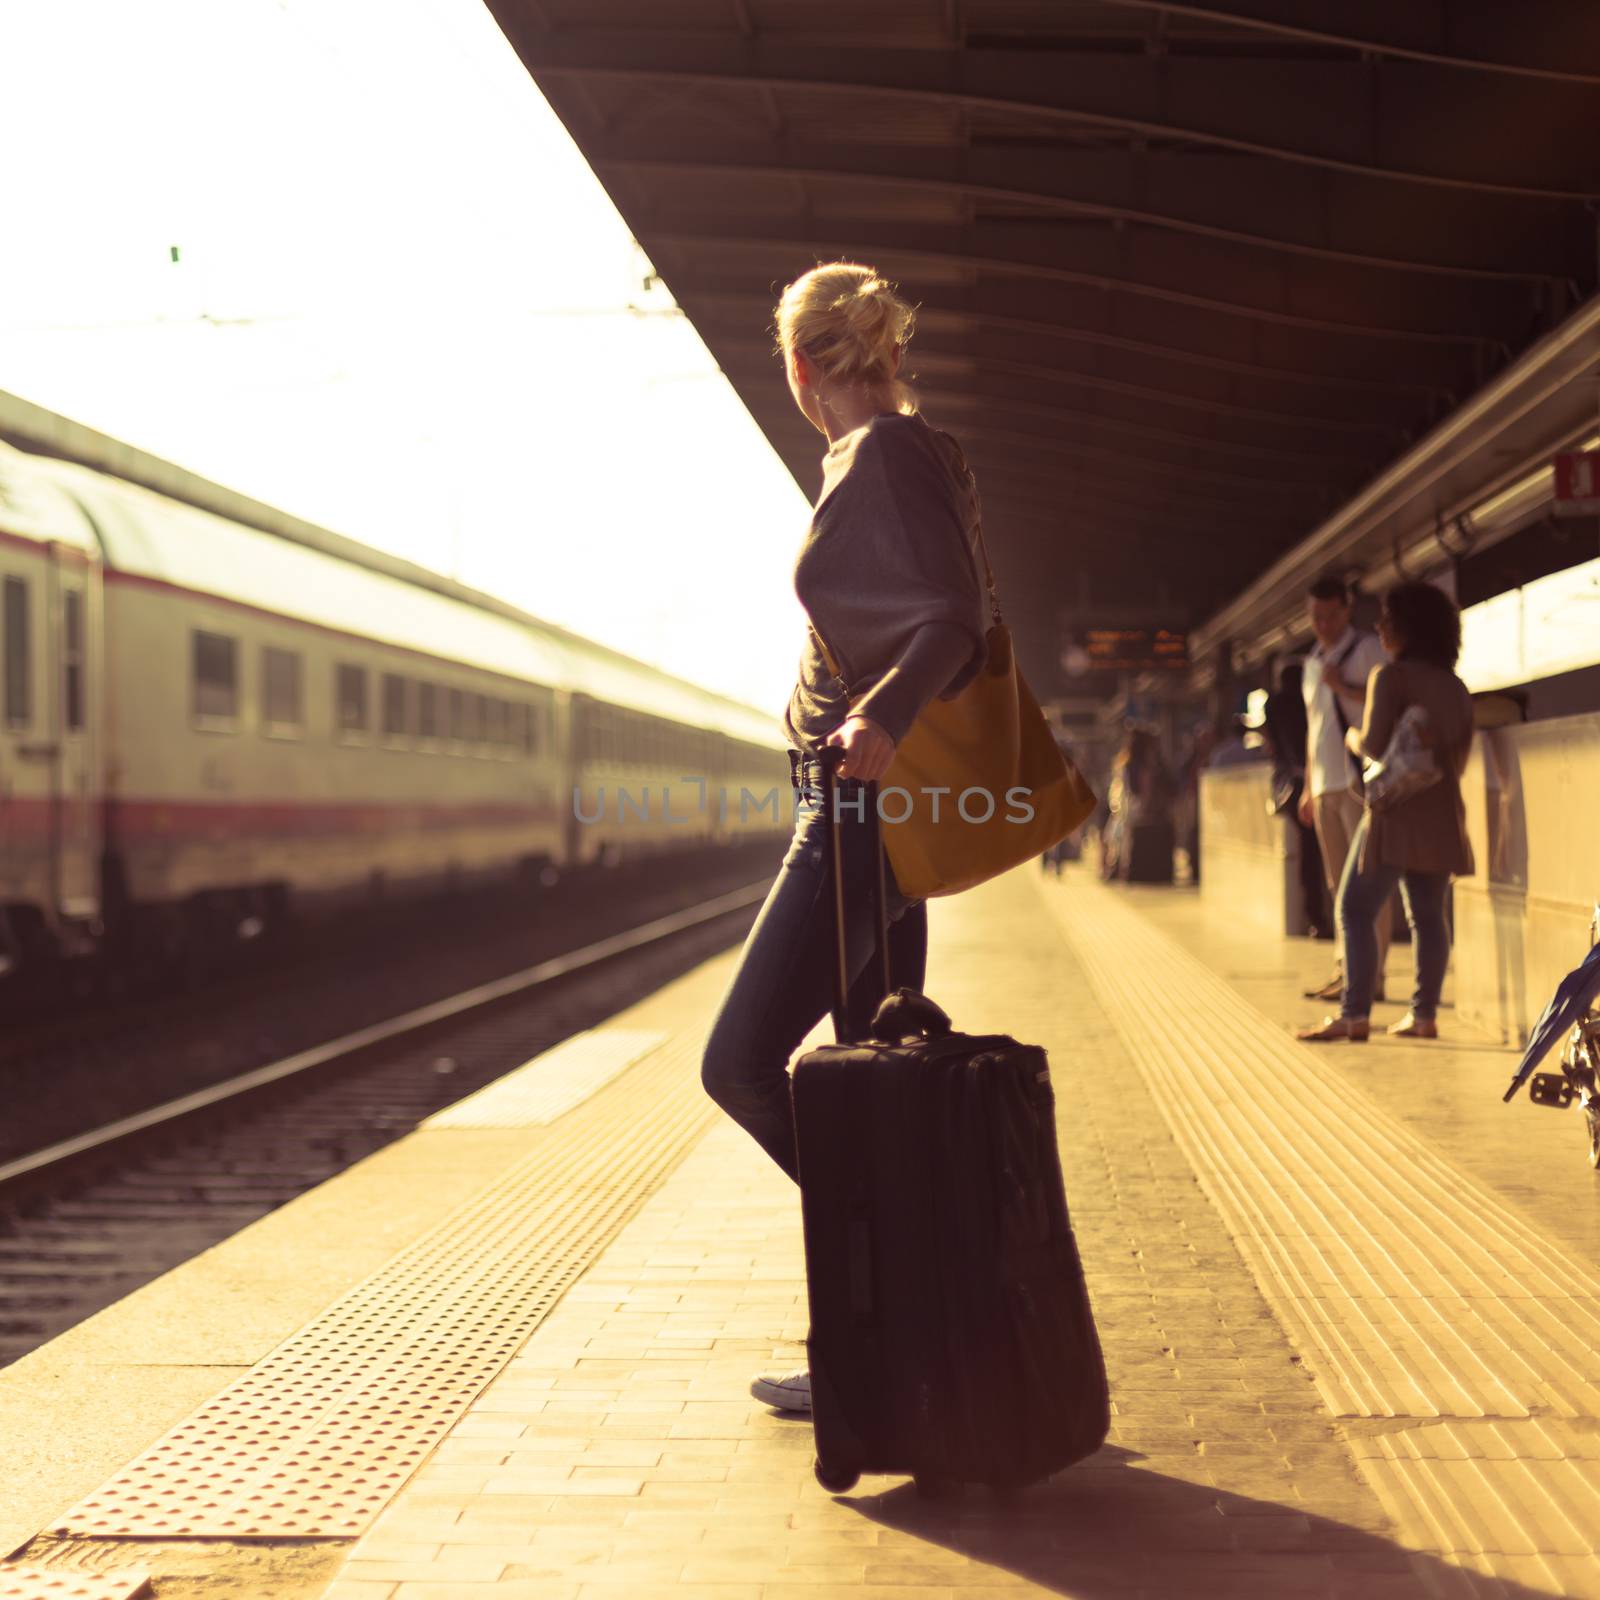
x=1411, y=1026
x=1355, y=1029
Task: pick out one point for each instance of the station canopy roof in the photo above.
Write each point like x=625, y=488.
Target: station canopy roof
x=1189, y=276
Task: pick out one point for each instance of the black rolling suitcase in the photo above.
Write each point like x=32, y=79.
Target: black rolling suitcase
x=951, y=1336
x=1147, y=856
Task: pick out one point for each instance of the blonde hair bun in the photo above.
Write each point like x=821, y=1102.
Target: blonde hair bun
x=849, y=322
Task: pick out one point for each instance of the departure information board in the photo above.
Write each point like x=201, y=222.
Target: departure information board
x=1125, y=650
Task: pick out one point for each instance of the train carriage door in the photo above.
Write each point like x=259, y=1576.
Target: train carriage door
x=72, y=612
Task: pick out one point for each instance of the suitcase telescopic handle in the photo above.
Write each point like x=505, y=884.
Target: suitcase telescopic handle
x=830, y=755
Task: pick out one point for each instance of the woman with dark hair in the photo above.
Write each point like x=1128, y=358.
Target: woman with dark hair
x=1420, y=841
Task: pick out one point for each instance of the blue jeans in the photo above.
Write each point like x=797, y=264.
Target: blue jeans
x=783, y=985
x=1365, y=893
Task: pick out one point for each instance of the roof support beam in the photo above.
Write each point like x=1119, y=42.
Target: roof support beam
x=1077, y=511
x=1353, y=224
x=1210, y=437
x=1426, y=125
x=1144, y=445
x=1015, y=324
x=1538, y=405
x=933, y=361
x=1089, y=260
x=798, y=442
x=1025, y=480
x=1541, y=39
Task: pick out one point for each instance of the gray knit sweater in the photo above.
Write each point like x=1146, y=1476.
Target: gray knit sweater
x=888, y=577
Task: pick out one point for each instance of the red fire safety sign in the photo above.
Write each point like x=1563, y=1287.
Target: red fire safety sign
x=1577, y=483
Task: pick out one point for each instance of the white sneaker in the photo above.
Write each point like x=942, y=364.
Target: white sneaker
x=791, y=1393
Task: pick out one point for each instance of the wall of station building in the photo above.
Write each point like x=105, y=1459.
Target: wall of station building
x=1249, y=858
x=1532, y=793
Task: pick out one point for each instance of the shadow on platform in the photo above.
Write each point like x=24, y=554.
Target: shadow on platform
x=1107, y=1529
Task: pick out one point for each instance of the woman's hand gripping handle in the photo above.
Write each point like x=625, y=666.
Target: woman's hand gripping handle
x=868, y=750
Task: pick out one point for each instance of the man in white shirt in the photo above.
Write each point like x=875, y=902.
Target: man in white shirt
x=1334, y=683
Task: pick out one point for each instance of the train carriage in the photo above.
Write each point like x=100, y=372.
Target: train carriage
x=214, y=720
x=50, y=721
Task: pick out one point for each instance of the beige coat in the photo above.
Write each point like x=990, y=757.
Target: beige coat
x=1428, y=831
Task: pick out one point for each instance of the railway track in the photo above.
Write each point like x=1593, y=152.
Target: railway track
x=88, y=1065
x=89, y=1219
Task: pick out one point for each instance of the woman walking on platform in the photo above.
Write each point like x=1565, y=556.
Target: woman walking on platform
x=887, y=575
x=1420, y=841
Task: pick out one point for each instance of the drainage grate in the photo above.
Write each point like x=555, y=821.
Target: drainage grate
x=320, y=1434
x=554, y=1082
x=39, y=1583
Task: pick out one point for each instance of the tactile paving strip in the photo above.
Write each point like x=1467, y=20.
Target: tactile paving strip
x=40, y=1583
x=553, y=1082
x=319, y=1435
x=1421, y=1303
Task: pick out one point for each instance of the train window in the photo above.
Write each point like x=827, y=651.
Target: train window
x=350, y=698
x=458, y=714
x=72, y=656
x=281, y=702
x=496, y=721
x=529, y=727
x=430, y=719
x=216, y=675
x=396, y=706
x=19, y=690
x=477, y=717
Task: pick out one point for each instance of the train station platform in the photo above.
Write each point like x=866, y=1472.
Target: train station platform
x=1348, y=1301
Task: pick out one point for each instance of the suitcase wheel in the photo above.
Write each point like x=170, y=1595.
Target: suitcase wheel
x=836, y=1480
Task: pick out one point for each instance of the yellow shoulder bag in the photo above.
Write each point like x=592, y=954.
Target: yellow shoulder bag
x=978, y=784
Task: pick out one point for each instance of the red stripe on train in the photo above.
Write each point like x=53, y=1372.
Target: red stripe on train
x=135, y=820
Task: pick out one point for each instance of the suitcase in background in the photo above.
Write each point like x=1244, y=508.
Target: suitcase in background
x=1147, y=853
x=951, y=1336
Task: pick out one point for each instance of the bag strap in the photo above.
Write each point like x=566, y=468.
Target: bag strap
x=988, y=578
x=983, y=546
x=1344, y=721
